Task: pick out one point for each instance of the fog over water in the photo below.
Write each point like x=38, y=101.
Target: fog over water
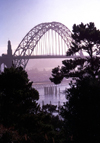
x=51, y=94
x=41, y=64
x=39, y=71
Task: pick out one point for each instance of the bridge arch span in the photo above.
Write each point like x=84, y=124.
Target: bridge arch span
x=29, y=42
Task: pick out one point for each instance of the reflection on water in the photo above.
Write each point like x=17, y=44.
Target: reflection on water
x=50, y=93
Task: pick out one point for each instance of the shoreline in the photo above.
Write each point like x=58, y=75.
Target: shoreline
x=49, y=82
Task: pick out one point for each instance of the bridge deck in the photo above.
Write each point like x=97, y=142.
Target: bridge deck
x=43, y=57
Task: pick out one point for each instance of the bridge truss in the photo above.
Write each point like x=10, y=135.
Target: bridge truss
x=54, y=33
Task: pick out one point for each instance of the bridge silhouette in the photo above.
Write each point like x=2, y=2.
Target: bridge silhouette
x=46, y=40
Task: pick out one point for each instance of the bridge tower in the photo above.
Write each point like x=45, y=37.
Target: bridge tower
x=9, y=50
x=9, y=55
x=7, y=59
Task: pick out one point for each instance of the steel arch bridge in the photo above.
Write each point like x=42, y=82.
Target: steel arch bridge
x=28, y=44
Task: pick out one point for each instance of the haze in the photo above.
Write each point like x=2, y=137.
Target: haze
x=18, y=17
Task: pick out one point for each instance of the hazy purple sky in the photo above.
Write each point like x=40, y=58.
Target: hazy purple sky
x=17, y=17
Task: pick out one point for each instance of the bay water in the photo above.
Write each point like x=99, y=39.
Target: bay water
x=50, y=93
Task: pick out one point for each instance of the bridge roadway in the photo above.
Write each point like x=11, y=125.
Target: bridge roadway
x=7, y=59
x=42, y=57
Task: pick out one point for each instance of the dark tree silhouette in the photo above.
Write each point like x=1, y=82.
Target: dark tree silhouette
x=17, y=96
x=81, y=113
x=86, y=38
x=21, y=119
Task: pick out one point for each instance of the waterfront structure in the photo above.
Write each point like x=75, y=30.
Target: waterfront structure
x=46, y=40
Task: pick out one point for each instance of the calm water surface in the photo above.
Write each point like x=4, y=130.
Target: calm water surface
x=51, y=93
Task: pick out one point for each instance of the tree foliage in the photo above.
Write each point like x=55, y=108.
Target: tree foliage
x=86, y=38
x=21, y=119
x=17, y=96
x=81, y=113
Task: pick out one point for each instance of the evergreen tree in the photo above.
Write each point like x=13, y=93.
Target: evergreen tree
x=81, y=113
x=86, y=38
x=21, y=119
x=17, y=96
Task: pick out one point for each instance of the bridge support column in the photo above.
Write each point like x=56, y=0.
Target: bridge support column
x=7, y=59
